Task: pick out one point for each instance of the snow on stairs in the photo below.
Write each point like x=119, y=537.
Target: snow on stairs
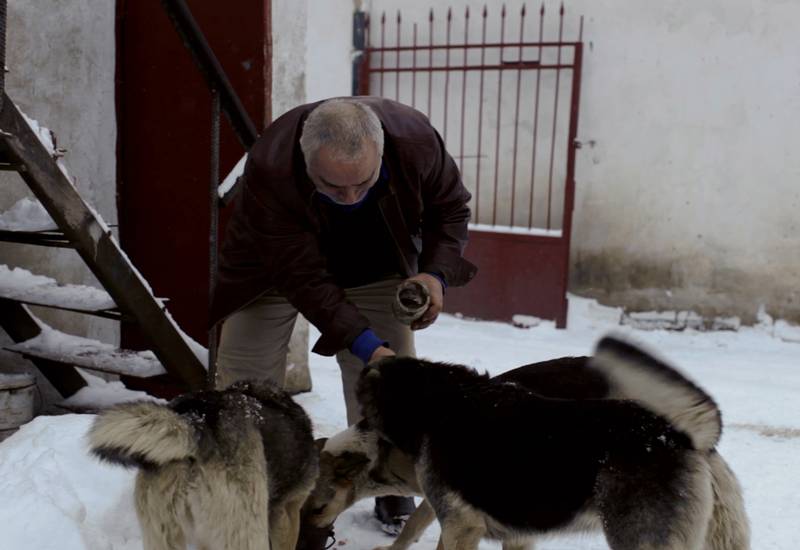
x=23, y=286
x=86, y=353
x=28, y=149
x=55, y=349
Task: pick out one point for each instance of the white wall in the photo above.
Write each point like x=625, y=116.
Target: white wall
x=329, y=43
x=61, y=63
x=694, y=184
x=312, y=42
x=689, y=196
x=289, y=30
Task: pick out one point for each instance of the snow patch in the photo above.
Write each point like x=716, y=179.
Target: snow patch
x=27, y=215
x=58, y=346
x=533, y=231
x=100, y=394
x=525, y=321
x=21, y=284
x=230, y=180
x=48, y=138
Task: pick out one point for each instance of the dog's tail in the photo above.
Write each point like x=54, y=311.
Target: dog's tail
x=142, y=434
x=634, y=374
x=729, y=528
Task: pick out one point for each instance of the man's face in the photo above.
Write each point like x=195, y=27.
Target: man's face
x=345, y=182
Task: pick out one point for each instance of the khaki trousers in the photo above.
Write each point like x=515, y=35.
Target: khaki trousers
x=255, y=340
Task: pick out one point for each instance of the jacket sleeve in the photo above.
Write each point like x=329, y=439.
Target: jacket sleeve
x=290, y=251
x=445, y=219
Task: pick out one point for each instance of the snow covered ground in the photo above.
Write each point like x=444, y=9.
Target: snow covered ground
x=54, y=496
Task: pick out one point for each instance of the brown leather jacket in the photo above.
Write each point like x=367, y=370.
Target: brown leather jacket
x=271, y=242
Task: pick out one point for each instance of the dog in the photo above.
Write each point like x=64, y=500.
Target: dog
x=218, y=469
x=620, y=440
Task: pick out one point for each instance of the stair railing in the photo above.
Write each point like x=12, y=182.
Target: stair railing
x=223, y=100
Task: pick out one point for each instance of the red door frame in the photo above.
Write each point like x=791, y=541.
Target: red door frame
x=164, y=141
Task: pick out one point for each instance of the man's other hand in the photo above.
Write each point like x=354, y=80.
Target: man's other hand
x=381, y=352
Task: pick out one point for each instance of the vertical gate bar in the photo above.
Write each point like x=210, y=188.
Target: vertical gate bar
x=213, y=232
x=383, y=45
x=366, y=73
x=464, y=91
x=447, y=73
x=572, y=147
x=516, y=116
x=536, y=118
x=414, y=70
x=430, y=61
x=480, y=118
x=555, y=117
x=499, y=106
x=359, y=47
x=397, y=61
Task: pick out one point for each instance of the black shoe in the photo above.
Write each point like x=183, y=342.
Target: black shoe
x=393, y=512
x=315, y=538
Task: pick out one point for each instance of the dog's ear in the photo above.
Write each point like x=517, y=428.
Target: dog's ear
x=348, y=465
x=320, y=443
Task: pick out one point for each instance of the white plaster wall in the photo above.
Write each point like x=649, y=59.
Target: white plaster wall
x=329, y=43
x=694, y=184
x=688, y=187
x=289, y=31
x=61, y=62
x=312, y=45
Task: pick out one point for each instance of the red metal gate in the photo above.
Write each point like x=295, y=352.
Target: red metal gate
x=505, y=100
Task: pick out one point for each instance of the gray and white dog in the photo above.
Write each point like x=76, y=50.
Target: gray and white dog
x=221, y=470
x=620, y=442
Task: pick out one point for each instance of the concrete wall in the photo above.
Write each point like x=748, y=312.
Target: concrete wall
x=328, y=49
x=311, y=47
x=689, y=185
x=61, y=62
x=289, y=31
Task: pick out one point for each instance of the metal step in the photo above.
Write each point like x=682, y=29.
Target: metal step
x=53, y=345
x=10, y=167
x=25, y=287
x=21, y=325
x=54, y=239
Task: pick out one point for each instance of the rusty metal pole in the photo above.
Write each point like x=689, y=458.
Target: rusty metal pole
x=3, y=14
x=213, y=230
x=360, y=31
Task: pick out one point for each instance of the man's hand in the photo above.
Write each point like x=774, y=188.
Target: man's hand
x=379, y=353
x=434, y=287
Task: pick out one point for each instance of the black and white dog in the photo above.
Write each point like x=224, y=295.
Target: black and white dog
x=221, y=470
x=620, y=442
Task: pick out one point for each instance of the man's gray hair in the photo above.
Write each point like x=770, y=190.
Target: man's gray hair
x=343, y=125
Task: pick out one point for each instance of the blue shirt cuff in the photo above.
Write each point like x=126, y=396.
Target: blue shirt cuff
x=365, y=345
